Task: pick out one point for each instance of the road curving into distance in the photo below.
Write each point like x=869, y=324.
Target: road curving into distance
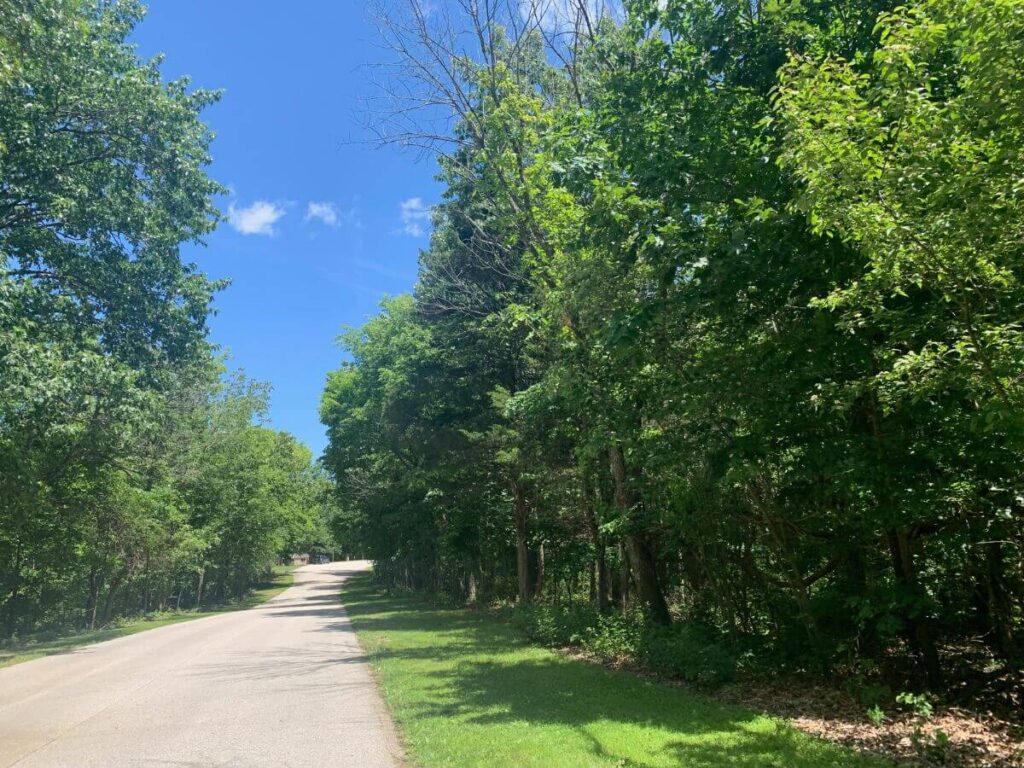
x=284, y=684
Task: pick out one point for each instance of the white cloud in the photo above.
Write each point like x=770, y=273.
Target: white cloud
x=330, y=215
x=560, y=16
x=325, y=212
x=415, y=216
x=256, y=219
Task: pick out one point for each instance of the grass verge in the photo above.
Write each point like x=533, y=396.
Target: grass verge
x=26, y=650
x=467, y=690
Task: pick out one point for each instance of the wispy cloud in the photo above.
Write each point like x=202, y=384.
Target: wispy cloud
x=256, y=219
x=558, y=16
x=415, y=216
x=330, y=215
x=325, y=212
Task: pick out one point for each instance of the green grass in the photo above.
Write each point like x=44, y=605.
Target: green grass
x=26, y=650
x=466, y=690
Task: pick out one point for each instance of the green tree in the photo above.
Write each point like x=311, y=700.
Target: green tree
x=131, y=478
x=718, y=324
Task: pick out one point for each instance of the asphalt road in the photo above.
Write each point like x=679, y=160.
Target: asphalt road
x=284, y=684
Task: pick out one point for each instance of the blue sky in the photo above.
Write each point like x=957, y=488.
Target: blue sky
x=320, y=228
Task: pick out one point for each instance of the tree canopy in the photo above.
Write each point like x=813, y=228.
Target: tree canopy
x=718, y=325
x=133, y=474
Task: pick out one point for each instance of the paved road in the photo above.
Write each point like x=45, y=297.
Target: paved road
x=285, y=684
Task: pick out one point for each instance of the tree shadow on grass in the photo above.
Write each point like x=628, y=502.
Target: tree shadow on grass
x=485, y=674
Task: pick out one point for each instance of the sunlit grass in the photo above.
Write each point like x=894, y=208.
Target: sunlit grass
x=28, y=649
x=466, y=690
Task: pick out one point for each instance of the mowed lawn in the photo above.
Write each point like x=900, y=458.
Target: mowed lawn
x=466, y=690
x=26, y=650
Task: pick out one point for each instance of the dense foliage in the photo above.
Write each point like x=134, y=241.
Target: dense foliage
x=719, y=327
x=131, y=476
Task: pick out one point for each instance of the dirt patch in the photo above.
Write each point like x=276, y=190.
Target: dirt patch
x=952, y=737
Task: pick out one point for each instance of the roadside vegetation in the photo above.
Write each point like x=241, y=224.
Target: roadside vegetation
x=47, y=644
x=715, y=356
x=136, y=475
x=714, y=367
x=466, y=690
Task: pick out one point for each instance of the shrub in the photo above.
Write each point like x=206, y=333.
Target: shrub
x=556, y=626
x=688, y=651
x=614, y=637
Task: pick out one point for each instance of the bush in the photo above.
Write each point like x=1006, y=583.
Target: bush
x=556, y=626
x=691, y=652
x=615, y=637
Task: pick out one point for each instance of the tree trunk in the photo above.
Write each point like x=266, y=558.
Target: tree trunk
x=603, y=579
x=199, y=588
x=600, y=590
x=919, y=631
x=620, y=585
x=10, y=605
x=148, y=589
x=645, y=575
x=997, y=597
x=522, y=551
x=538, y=588
x=94, y=596
x=641, y=558
x=108, y=604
